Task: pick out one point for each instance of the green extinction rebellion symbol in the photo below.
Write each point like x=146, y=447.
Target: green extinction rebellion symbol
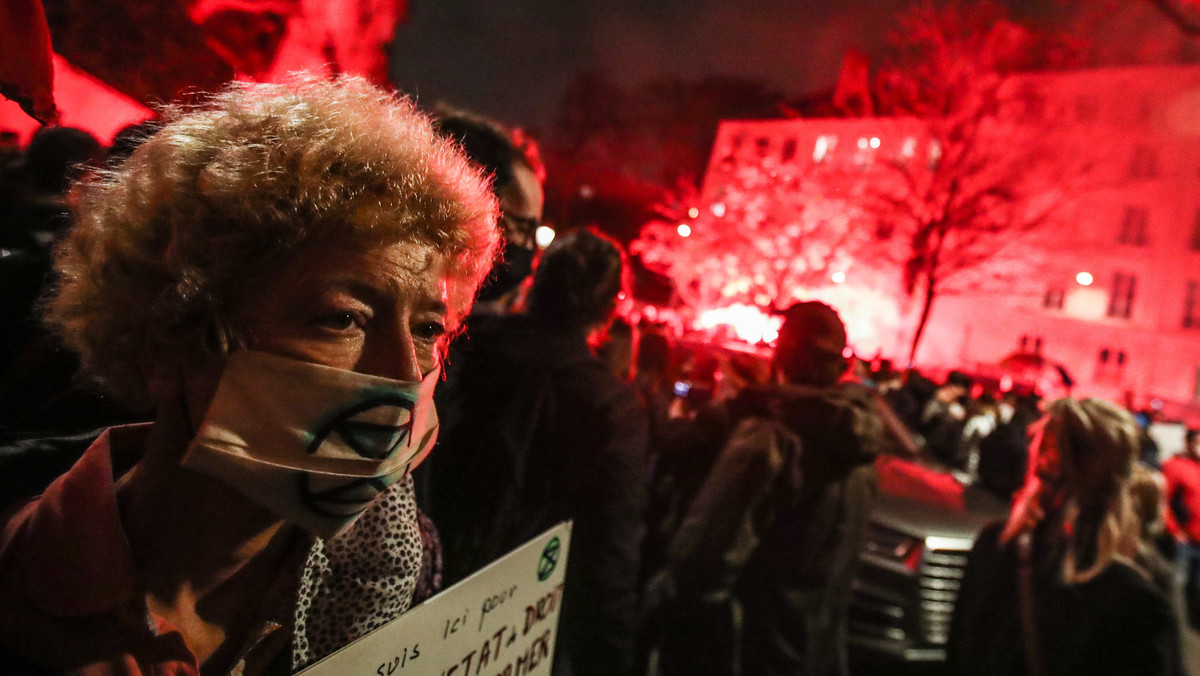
x=549, y=559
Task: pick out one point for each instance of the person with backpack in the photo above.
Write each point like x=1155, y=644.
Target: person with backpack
x=757, y=578
x=536, y=430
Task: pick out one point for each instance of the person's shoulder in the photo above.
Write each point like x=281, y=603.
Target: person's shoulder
x=592, y=380
x=1125, y=582
x=1126, y=597
x=988, y=539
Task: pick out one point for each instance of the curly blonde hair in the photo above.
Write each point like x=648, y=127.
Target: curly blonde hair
x=228, y=190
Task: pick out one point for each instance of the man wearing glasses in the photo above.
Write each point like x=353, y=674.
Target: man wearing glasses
x=517, y=176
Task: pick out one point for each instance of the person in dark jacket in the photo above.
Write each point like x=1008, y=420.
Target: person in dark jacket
x=511, y=158
x=536, y=430
x=1056, y=590
x=757, y=579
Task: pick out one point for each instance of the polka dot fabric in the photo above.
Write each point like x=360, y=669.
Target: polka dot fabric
x=360, y=580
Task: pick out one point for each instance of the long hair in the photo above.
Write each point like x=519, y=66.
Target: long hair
x=1075, y=497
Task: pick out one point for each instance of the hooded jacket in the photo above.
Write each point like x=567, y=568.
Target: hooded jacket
x=757, y=579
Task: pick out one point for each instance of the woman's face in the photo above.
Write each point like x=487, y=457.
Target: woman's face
x=1044, y=457
x=379, y=310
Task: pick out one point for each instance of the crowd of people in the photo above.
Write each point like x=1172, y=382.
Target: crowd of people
x=185, y=312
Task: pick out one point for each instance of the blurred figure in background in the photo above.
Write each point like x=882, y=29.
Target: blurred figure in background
x=516, y=174
x=615, y=348
x=1003, y=454
x=38, y=393
x=1146, y=498
x=537, y=430
x=654, y=373
x=757, y=579
x=983, y=416
x=512, y=161
x=1056, y=589
x=943, y=419
x=1182, y=474
x=55, y=157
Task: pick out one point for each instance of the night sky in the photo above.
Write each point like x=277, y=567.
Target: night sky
x=512, y=59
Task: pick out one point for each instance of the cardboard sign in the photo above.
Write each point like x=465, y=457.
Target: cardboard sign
x=501, y=621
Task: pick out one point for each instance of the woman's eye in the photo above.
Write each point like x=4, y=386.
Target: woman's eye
x=430, y=331
x=338, y=321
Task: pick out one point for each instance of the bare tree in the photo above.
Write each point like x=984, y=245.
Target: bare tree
x=987, y=165
x=776, y=231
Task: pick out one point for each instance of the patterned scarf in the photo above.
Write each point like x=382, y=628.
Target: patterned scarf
x=360, y=580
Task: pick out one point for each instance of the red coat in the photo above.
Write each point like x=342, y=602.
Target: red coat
x=70, y=600
x=1182, y=473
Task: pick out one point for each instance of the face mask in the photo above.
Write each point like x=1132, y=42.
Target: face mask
x=509, y=273
x=315, y=445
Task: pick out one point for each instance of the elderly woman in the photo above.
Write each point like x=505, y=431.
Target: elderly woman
x=275, y=274
x=1056, y=589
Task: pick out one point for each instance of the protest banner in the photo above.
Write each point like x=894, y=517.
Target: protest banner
x=501, y=621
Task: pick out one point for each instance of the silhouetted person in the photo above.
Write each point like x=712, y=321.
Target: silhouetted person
x=943, y=418
x=1003, y=453
x=37, y=394
x=536, y=430
x=516, y=174
x=512, y=160
x=757, y=580
x=1182, y=474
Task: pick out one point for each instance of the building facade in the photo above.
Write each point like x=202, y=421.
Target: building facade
x=1108, y=289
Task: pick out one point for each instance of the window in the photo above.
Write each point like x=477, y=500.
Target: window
x=824, y=146
x=789, y=150
x=1053, y=298
x=1120, y=300
x=1031, y=344
x=1191, y=306
x=763, y=145
x=731, y=151
x=935, y=153
x=1133, y=226
x=1110, y=368
x=1144, y=163
x=864, y=155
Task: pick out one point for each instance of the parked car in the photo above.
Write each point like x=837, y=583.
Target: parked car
x=909, y=569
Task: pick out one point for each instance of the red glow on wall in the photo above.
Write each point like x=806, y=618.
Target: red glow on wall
x=83, y=102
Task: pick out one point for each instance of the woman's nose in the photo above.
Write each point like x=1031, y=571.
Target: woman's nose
x=392, y=356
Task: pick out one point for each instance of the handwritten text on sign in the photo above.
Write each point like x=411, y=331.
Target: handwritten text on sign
x=501, y=621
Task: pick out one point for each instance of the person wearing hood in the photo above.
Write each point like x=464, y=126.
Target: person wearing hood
x=757, y=579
